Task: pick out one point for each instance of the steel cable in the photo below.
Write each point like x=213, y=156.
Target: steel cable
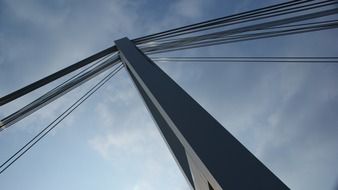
x=55, y=122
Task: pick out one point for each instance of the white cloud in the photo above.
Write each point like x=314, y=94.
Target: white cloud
x=125, y=142
x=34, y=13
x=272, y=111
x=188, y=8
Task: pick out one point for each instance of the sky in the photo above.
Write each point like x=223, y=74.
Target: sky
x=285, y=114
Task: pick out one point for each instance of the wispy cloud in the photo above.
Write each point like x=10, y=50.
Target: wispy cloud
x=284, y=114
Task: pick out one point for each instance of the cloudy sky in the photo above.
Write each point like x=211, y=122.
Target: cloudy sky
x=285, y=114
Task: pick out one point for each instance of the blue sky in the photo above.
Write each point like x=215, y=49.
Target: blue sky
x=286, y=114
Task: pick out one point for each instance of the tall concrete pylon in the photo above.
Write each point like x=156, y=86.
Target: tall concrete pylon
x=208, y=155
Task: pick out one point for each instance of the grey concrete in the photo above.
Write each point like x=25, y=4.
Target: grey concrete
x=206, y=152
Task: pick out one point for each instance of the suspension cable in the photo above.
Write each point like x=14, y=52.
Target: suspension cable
x=244, y=16
x=248, y=59
x=58, y=92
x=54, y=123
